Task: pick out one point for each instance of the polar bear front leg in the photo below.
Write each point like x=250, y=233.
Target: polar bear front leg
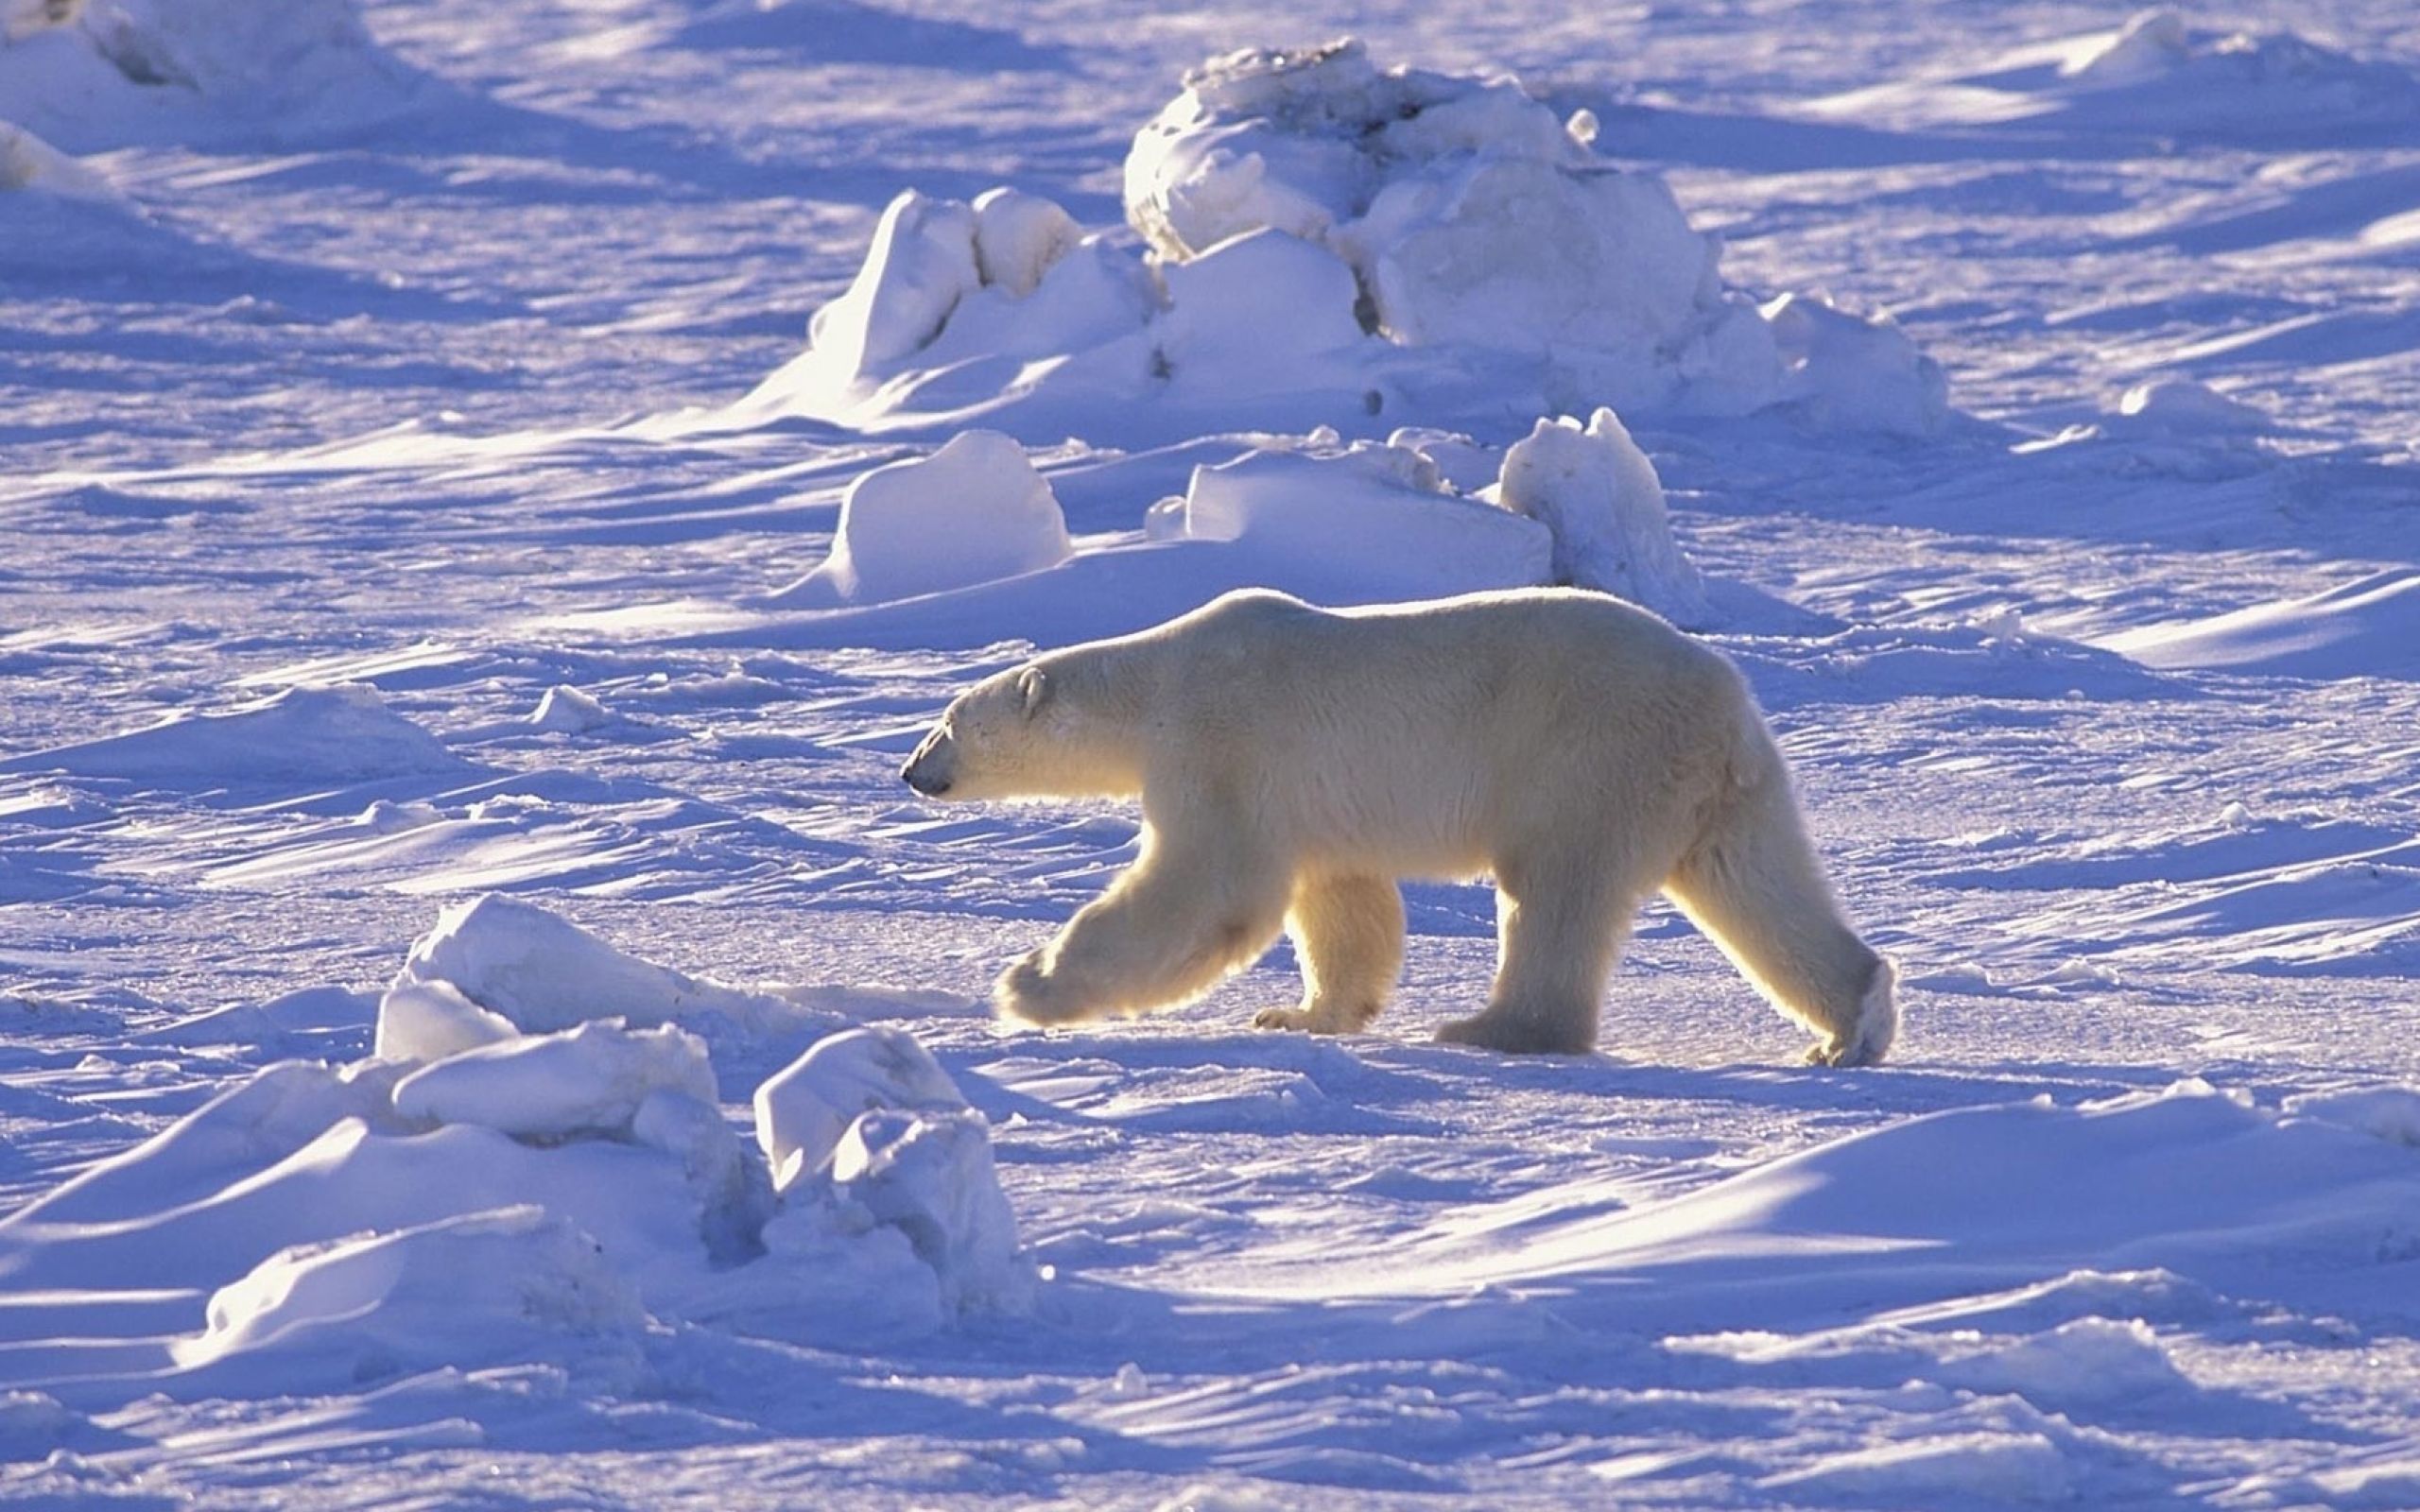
x=1556, y=937
x=1183, y=916
x=1348, y=932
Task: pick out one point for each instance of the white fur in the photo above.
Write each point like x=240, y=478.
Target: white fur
x=1294, y=763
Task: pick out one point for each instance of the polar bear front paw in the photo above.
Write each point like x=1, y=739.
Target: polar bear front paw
x=1028, y=991
x=1295, y=1019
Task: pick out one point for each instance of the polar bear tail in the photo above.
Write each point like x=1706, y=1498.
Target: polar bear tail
x=1753, y=885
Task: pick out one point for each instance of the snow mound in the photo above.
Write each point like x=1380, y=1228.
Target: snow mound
x=301, y=737
x=803, y=1111
x=2365, y=628
x=1599, y=498
x=497, y=963
x=1380, y=511
x=972, y=512
x=1854, y=371
x=534, y=1197
x=1331, y=242
x=483, y=1285
x=2155, y=74
x=110, y=73
x=2183, y=408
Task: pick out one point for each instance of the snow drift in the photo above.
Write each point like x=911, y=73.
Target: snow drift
x=1328, y=241
x=2369, y=627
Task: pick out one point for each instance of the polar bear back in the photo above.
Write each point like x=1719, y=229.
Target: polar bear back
x=1438, y=738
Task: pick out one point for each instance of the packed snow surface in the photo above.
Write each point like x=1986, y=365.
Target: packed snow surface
x=495, y=491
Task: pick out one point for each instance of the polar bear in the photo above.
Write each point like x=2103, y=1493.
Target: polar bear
x=1293, y=762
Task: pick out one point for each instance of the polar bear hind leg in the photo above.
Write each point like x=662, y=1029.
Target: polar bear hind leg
x=1184, y=915
x=1348, y=933
x=1560, y=921
x=1753, y=885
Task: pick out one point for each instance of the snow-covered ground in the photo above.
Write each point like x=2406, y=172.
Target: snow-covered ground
x=483, y=1024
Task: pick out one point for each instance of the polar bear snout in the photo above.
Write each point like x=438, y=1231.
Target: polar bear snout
x=933, y=768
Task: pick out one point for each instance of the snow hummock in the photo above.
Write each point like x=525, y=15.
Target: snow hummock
x=973, y=510
x=537, y=1196
x=108, y=73
x=497, y=960
x=1328, y=243
x=1599, y=496
x=344, y=733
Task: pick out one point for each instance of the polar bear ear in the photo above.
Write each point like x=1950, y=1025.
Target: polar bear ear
x=1035, y=686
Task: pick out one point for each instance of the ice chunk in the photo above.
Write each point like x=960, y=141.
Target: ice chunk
x=972, y=512
x=1383, y=509
x=1254, y=305
x=429, y=1021
x=1848, y=370
x=586, y=1080
x=1599, y=496
x=920, y=265
x=1018, y=238
x=568, y=711
x=542, y=974
x=802, y=1111
x=930, y=1175
x=457, y=1291
x=1516, y=251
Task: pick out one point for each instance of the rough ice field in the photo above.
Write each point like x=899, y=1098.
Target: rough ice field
x=483, y=1026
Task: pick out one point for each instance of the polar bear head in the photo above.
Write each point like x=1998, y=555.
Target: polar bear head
x=1025, y=732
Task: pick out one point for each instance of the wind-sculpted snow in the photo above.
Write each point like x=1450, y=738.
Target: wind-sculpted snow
x=534, y=1195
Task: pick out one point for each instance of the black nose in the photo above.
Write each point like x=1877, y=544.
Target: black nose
x=927, y=786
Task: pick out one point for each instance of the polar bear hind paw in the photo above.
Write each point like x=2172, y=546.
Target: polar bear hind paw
x=1029, y=994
